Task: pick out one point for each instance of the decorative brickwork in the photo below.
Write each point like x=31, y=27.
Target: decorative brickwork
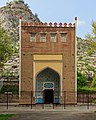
x=56, y=55
x=46, y=24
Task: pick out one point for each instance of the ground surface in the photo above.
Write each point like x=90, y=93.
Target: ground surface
x=47, y=112
x=53, y=115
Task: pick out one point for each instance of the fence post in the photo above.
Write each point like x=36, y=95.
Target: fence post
x=0, y=97
x=53, y=105
x=64, y=99
x=88, y=102
x=53, y=100
x=43, y=100
x=83, y=97
x=7, y=99
x=31, y=99
x=43, y=105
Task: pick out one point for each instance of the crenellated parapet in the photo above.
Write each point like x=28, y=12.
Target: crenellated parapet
x=25, y=23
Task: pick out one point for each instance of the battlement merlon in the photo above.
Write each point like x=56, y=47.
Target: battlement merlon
x=30, y=23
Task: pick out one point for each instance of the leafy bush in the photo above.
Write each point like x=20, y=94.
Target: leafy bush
x=87, y=89
x=94, y=82
x=81, y=80
x=14, y=90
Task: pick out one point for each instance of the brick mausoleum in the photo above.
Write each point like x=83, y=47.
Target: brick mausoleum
x=47, y=62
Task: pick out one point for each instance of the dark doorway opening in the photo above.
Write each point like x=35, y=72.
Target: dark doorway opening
x=48, y=96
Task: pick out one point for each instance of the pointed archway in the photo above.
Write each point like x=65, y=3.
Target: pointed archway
x=48, y=86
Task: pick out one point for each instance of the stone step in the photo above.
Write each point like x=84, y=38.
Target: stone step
x=48, y=105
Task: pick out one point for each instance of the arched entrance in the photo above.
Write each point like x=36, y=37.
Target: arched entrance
x=48, y=86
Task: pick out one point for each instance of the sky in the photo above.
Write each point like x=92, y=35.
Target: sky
x=64, y=11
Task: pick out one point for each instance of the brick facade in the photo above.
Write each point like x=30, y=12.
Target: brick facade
x=65, y=49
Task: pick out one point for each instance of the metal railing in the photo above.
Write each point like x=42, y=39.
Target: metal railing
x=30, y=98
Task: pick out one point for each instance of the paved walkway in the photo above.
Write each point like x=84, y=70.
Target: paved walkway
x=17, y=108
x=48, y=113
x=53, y=115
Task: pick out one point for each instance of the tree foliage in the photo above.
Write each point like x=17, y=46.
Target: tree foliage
x=94, y=82
x=94, y=27
x=81, y=80
x=6, y=48
x=89, y=51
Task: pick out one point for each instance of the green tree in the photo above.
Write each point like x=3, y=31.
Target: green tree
x=81, y=80
x=94, y=27
x=94, y=35
x=91, y=50
x=94, y=82
x=6, y=48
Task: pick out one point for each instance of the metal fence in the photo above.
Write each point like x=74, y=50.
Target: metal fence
x=9, y=96
x=86, y=99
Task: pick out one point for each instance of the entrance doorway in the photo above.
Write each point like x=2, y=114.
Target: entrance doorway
x=48, y=86
x=48, y=96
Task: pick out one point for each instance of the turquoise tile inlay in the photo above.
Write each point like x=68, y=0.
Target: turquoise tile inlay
x=52, y=80
x=39, y=100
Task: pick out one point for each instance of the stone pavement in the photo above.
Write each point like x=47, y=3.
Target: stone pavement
x=48, y=113
x=53, y=115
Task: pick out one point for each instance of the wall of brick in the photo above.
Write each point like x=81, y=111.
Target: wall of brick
x=66, y=49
